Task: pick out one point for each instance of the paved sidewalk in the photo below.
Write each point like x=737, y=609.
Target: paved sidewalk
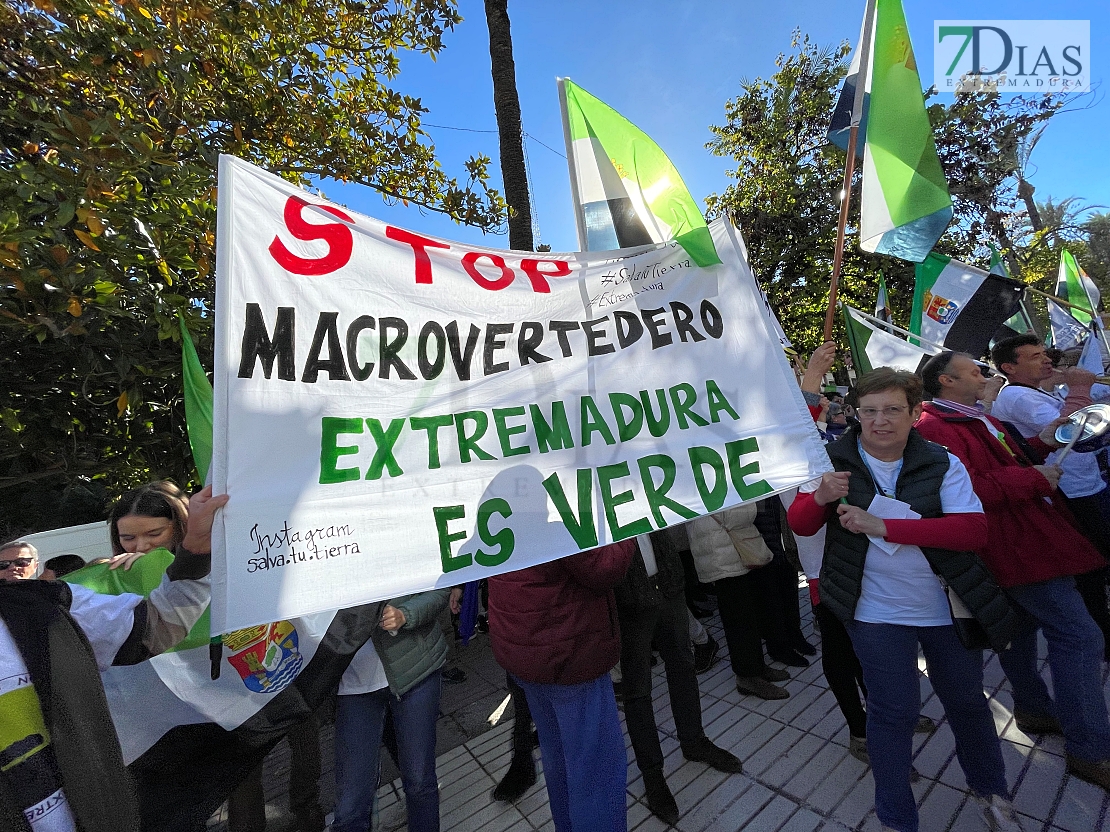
x=798, y=775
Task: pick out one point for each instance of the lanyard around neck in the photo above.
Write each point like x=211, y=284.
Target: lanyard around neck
x=874, y=479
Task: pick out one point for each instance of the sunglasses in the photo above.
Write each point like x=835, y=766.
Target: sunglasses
x=20, y=562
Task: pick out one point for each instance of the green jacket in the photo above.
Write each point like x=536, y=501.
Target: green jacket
x=924, y=466
x=419, y=648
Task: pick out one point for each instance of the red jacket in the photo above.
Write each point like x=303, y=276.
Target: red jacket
x=1029, y=538
x=556, y=623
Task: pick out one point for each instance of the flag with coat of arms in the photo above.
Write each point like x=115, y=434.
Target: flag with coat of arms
x=873, y=343
x=960, y=306
x=195, y=720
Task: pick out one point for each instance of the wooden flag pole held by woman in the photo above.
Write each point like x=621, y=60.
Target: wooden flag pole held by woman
x=850, y=163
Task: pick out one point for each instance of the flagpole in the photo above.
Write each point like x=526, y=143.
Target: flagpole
x=579, y=217
x=1059, y=300
x=1096, y=320
x=850, y=164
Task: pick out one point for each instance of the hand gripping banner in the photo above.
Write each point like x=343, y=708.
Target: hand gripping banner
x=396, y=412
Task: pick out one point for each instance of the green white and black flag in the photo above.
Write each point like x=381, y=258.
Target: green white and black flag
x=873, y=347
x=959, y=306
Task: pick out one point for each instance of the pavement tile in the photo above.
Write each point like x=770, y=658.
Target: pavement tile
x=704, y=783
x=652, y=824
x=799, y=702
x=462, y=789
x=1082, y=806
x=814, y=770
x=540, y=818
x=713, y=804
x=1041, y=784
x=934, y=755
x=793, y=758
x=857, y=803
x=754, y=738
x=940, y=807
x=750, y=812
x=798, y=774
x=832, y=725
x=816, y=711
x=970, y=819
x=802, y=821
x=465, y=805
x=637, y=814
x=953, y=775
x=532, y=800
x=840, y=781
x=684, y=775
x=773, y=750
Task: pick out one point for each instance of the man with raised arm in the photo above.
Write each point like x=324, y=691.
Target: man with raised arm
x=1030, y=409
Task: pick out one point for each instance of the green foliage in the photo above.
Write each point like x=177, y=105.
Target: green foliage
x=981, y=140
x=785, y=197
x=112, y=118
x=1097, y=228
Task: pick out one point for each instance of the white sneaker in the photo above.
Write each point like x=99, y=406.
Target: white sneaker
x=1000, y=815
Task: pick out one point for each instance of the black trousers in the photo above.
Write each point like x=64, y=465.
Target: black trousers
x=740, y=605
x=522, y=717
x=781, y=620
x=842, y=670
x=668, y=626
x=246, y=808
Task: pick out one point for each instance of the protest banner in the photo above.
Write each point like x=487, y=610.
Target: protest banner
x=396, y=412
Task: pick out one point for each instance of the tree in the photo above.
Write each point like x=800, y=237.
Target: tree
x=510, y=134
x=984, y=142
x=1097, y=227
x=112, y=118
x=785, y=197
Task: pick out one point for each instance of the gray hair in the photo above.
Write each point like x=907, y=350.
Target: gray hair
x=21, y=544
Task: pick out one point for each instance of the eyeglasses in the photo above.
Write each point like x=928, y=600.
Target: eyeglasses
x=20, y=562
x=891, y=412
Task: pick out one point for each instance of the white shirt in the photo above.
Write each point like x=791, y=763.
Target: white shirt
x=901, y=588
x=1030, y=410
x=107, y=621
x=365, y=674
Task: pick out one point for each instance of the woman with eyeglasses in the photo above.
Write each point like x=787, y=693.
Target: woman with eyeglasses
x=900, y=517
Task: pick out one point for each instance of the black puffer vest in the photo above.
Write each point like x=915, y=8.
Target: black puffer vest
x=923, y=468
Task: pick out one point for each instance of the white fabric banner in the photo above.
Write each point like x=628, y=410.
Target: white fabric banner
x=148, y=699
x=395, y=412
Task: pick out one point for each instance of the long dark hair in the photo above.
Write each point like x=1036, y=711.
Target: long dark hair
x=156, y=499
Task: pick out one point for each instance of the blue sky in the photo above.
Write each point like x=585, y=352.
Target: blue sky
x=669, y=67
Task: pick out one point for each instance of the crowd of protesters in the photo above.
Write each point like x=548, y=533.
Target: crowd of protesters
x=947, y=527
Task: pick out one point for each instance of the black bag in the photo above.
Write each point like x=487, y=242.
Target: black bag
x=969, y=631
